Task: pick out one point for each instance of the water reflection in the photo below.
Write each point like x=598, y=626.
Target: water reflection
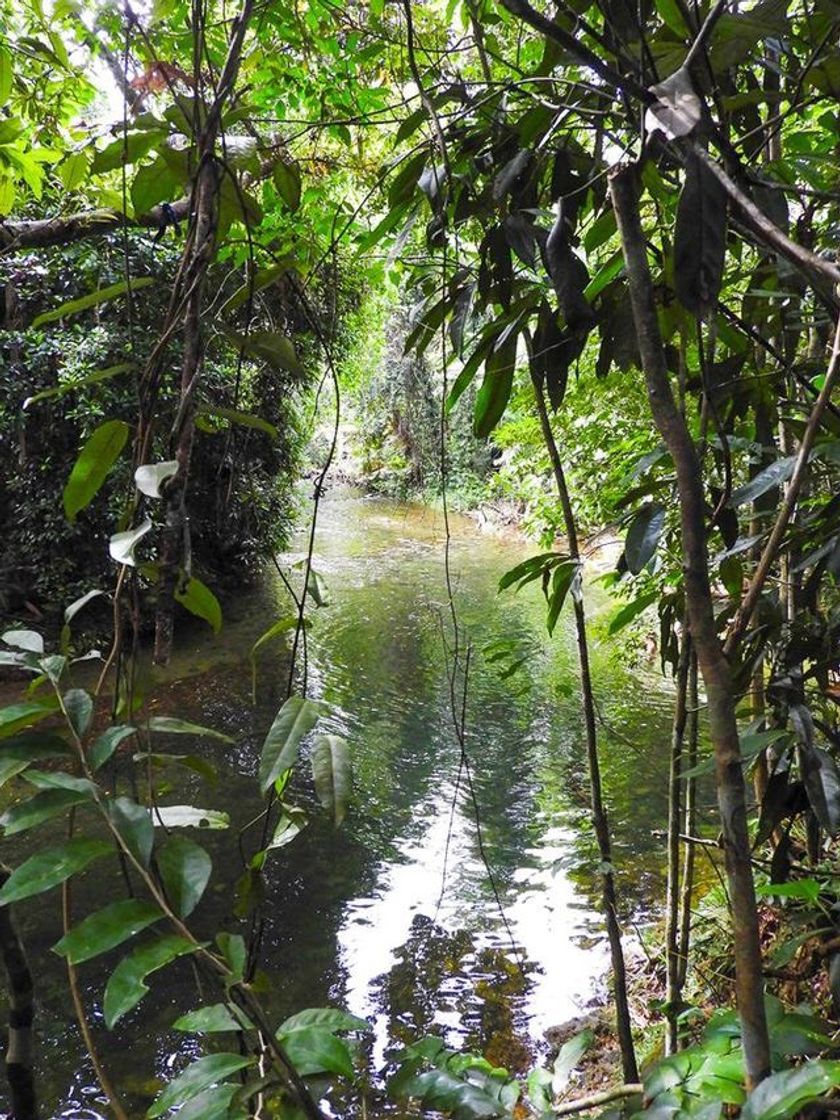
x=365, y=916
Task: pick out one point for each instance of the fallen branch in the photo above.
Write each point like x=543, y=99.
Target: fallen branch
x=41, y=233
x=568, y=1108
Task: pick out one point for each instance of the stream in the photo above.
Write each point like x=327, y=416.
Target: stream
x=395, y=916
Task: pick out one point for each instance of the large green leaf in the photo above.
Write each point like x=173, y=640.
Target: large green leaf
x=105, y=745
x=20, y=751
x=198, y=599
x=247, y=419
x=207, y=1020
x=213, y=1104
x=494, y=394
x=15, y=717
x=185, y=868
x=773, y=475
x=106, y=928
x=92, y=299
x=127, y=984
x=295, y=719
x=333, y=774
x=126, y=149
x=783, y=1094
x=316, y=1050
x=34, y=810
x=93, y=465
x=50, y=867
x=200, y=1075
x=79, y=707
x=271, y=347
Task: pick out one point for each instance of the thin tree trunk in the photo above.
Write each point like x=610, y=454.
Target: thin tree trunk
x=690, y=818
x=600, y=820
x=672, y=918
x=714, y=666
x=21, y=1014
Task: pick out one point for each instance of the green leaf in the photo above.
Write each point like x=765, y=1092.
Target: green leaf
x=643, y=536
x=699, y=239
x=286, y=178
x=199, y=600
x=632, y=610
x=315, y=1050
x=188, y=816
x=15, y=717
x=134, y=824
x=328, y=1018
x=171, y=725
x=50, y=867
x=107, y=743
x=19, y=752
x=185, y=868
x=287, y=828
x=93, y=465
x=6, y=74
x=778, y=472
x=158, y=182
x=295, y=719
x=72, y=386
x=196, y=1078
x=247, y=419
x=233, y=949
x=101, y=295
x=127, y=985
x=41, y=807
x=208, y=1020
x=126, y=149
x=333, y=775
x=73, y=170
x=262, y=279
x=783, y=1094
x=79, y=707
x=270, y=347
x=282, y=626
x=57, y=779
x=121, y=546
x=561, y=581
x=213, y=1104
x=494, y=393
x=99, y=932
x=809, y=890
x=570, y=1055
x=151, y=476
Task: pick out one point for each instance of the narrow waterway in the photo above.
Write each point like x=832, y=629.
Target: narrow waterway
x=466, y=910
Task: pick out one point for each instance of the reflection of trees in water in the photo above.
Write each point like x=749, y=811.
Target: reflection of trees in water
x=441, y=977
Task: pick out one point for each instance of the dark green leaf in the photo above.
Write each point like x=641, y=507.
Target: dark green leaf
x=185, y=868
x=79, y=707
x=279, y=752
x=127, y=985
x=822, y=784
x=134, y=824
x=107, y=743
x=774, y=475
x=494, y=394
x=632, y=610
x=699, y=239
x=328, y=1018
x=286, y=178
x=247, y=419
x=271, y=347
x=171, y=725
x=15, y=717
x=782, y=1095
x=208, y=1020
x=315, y=1050
x=33, y=811
x=196, y=1078
x=106, y=928
x=643, y=536
x=51, y=867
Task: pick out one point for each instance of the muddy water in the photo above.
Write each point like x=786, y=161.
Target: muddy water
x=467, y=910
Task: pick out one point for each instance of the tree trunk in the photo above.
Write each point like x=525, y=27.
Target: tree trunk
x=713, y=664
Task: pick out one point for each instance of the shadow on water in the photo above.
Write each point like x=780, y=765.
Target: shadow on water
x=394, y=916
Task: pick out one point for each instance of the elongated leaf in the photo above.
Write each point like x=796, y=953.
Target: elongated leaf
x=822, y=784
x=72, y=386
x=127, y=984
x=199, y=600
x=121, y=546
x=151, y=476
x=328, y=1018
x=561, y=582
x=570, y=1054
x=51, y=867
x=134, y=824
x=632, y=610
x=208, y=1020
x=270, y=347
x=287, y=828
x=295, y=719
x=699, y=239
x=783, y=1094
x=101, y=295
x=213, y=1104
x=185, y=868
x=200, y=1075
x=643, y=536
x=247, y=419
x=262, y=279
x=332, y=771
x=281, y=626
x=171, y=725
x=77, y=605
x=106, y=928
x=774, y=475
x=93, y=465
x=35, y=810
x=492, y=397
x=20, y=751
x=107, y=743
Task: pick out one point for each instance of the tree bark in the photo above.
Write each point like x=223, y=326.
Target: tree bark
x=41, y=233
x=713, y=664
x=672, y=917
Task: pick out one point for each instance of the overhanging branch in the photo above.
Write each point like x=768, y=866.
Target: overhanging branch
x=41, y=233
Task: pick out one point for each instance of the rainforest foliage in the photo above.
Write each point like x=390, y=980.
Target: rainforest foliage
x=581, y=257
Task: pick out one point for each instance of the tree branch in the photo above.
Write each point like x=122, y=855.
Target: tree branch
x=41, y=233
x=605, y=1096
